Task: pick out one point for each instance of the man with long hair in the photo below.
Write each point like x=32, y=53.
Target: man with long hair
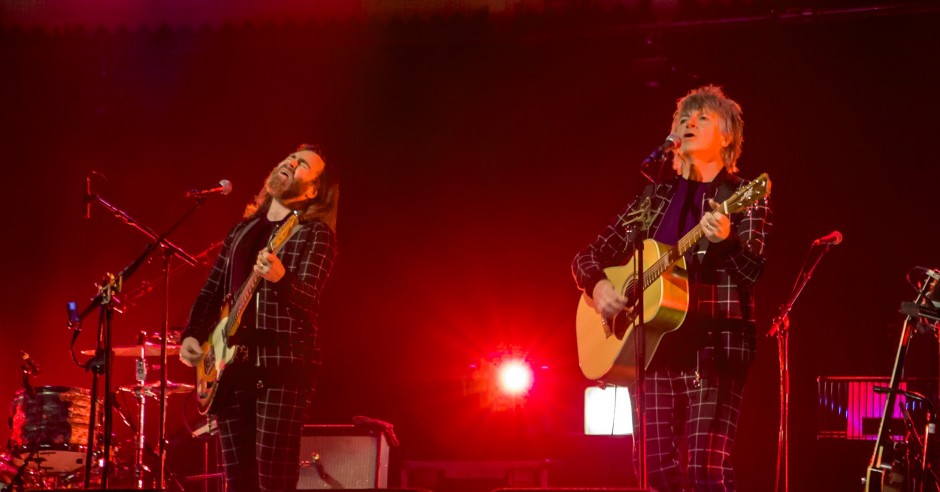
x=694, y=381
x=262, y=395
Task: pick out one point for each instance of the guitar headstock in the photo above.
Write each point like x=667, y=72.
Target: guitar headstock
x=747, y=195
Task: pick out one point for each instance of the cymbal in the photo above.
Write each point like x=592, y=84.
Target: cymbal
x=150, y=350
x=153, y=389
x=172, y=336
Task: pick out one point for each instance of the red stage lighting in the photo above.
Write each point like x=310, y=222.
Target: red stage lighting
x=504, y=380
x=515, y=377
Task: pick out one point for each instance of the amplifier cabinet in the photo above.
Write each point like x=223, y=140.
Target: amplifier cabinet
x=342, y=457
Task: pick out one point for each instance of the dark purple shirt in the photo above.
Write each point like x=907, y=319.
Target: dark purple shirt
x=684, y=212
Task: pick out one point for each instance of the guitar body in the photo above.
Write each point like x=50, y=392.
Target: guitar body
x=881, y=479
x=218, y=354
x=608, y=352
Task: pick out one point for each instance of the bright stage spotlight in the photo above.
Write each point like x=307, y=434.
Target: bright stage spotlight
x=515, y=377
x=504, y=380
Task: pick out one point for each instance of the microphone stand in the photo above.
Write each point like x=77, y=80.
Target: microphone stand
x=780, y=328
x=101, y=362
x=639, y=339
x=658, y=160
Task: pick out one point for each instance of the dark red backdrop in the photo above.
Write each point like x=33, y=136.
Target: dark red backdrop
x=477, y=155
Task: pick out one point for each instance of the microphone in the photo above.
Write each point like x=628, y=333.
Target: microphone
x=671, y=144
x=831, y=239
x=224, y=188
x=88, y=196
x=28, y=364
x=653, y=166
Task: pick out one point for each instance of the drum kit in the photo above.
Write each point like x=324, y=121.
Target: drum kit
x=61, y=437
x=49, y=429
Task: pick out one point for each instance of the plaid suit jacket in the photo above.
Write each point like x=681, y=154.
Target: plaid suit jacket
x=721, y=275
x=286, y=321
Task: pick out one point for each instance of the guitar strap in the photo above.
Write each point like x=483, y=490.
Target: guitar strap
x=250, y=335
x=648, y=209
x=235, y=241
x=727, y=184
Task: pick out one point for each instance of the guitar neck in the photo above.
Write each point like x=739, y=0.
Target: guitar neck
x=241, y=302
x=667, y=260
x=248, y=289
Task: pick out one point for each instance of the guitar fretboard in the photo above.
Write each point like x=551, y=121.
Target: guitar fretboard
x=241, y=302
x=665, y=261
x=740, y=200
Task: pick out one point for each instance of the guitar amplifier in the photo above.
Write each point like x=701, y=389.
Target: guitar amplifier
x=342, y=457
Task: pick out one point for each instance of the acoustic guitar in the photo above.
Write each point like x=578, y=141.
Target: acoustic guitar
x=606, y=347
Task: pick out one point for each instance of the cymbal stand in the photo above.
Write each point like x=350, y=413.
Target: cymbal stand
x=146, y=449
x=141, y=377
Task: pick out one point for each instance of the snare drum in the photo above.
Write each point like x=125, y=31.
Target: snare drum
x=53, y=421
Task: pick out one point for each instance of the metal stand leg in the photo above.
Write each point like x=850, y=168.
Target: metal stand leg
x=139, y=467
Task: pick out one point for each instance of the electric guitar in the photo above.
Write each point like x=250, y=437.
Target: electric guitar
x=217, y=352
x=888, y=469
x=606, y=347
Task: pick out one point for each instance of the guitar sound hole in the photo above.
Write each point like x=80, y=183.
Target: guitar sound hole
x=621, y=322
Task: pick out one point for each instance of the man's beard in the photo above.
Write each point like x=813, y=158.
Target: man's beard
x=283, y=189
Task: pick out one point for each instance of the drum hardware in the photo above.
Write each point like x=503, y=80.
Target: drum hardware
x=12, y=476
x=52, y=423
x=17, y=479
x=50, y=434
x=141, y=448
x=152, y=390
x=27, y=368
x=141, y=391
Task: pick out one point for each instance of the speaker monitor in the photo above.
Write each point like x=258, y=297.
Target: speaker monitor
x=342, y=457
